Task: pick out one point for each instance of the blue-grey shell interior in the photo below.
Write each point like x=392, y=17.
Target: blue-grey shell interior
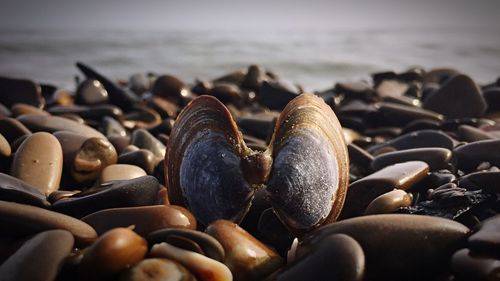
x=211, y=179
x=303, y=179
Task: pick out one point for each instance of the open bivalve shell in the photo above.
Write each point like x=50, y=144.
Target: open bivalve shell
x=211, y=171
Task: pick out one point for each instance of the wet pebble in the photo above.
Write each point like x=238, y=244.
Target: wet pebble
x=121, y=172
x=470, y=155
x=437, y=158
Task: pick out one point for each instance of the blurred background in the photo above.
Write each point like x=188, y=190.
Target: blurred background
x=315, y=43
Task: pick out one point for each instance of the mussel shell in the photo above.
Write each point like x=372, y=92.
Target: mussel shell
x=203, y=163
x=310, y=173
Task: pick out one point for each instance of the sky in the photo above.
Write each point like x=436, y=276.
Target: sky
x=255, y=14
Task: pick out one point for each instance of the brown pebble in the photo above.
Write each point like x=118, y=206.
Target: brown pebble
x=21, y=108
x=40, y=258
x=20, y=219
x=142, y=158
x=487, y=238
x=5, y=149
x=204, y=268
x=145, y=219
x=466, y=97
x=155, y=269
x=470, y=155
x=335, y=257
x=41, y=168
x=143, y=139
x=396, y=245
x=12, y=129
x=471, y=134
x=246, y=257
x=389, y=202
x=470, y=266
x=113, y=252
x=55, y=123
x=15, y=190
x=14, y=91
x=170, y=88
x=436, y=157
x=91, y=92
x=400, y=176
x=94, y=155
x=121, y=172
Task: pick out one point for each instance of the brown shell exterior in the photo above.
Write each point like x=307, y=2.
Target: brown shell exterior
x=310, y=111
x=204, y=112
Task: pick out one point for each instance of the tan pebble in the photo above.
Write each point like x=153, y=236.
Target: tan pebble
x=39, y=162
x=157, y=270
x=121, y=172
x=389, y=202
x=204, y=268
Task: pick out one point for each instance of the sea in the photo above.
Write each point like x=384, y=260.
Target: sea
x=315, y=59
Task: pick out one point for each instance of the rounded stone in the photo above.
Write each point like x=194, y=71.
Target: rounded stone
x=121, y=172
x=398, y=245
x=436, y=157
x=335, y=257
x=39, y=162
x=15, y=190
x=146, y=219
x=469, y=266
x=113, y=252
x=470, y=155
x=40, y=258
x=156, y=269
x=20, y=219
x=93, y=156
x=142, y=158
x=246, y=257
x=487, y=238
x=55, y=123
x=389, y=202
x=91, y=92
x=5, y=149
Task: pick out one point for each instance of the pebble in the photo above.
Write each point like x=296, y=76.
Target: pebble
x=389, y=202
x=470, y=155
x=156, y=269
x=91, y=92
x=145, y=219
x=204, y=268
x=94, y=155
x=136, y=192
x=5, y=149
x=143, y=139
x=170, y=88
x=41, y=168
x=470, y=266
x=335, y=257
x=471, y=134
x=487, y=238
x=437, y=158
x=418, y=139
x=19, y=109
x=15, y=190
x=37, y=123
x=142, y=158
x=466, y=97
x=121, y=172
x=400, y=176
x=40, y=258
x=20, y=219
x=14, y=91
x=246, y=257
x=402, y=114
x=113, y=252
x=180, y=237
x=414, y=246
x=12, y=129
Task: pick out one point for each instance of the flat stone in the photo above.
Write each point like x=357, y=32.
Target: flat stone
x=418, y=139
x=398, y=245
x=469, y=266
x=437, y=158
x=20, y=219
x=96, y=112
x=21, y=108
x=111, y=253
x=111, y=127
x=363, y=191
x=246, y=257
x=486, y=239
x=457, y=98
x=40, y=258
x=146, y=219
x=14, y=91
x=401, y=115
x=121, y=172
x=12, y=129
x=274, y=95
x=121, y=193
x=471, y=134
x=41, y=168
x=470, y=155
x=15, y=190
x=52, y=124
x=335, y=257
